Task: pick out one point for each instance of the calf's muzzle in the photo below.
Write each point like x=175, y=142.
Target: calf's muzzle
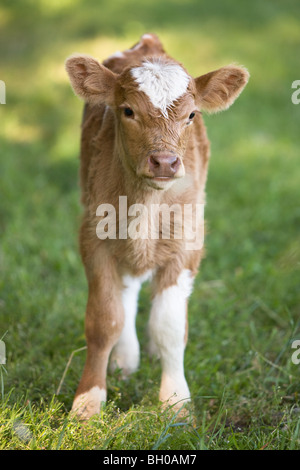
x=163, y=164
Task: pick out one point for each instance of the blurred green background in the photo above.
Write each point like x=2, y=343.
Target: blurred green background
x=244, y=312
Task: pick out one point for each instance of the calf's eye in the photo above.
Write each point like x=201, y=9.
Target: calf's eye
x=128, y=112
x=191, y=116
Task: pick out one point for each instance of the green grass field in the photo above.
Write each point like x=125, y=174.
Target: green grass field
x=244, y=312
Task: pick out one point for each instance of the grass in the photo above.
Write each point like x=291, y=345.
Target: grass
x=244, y=311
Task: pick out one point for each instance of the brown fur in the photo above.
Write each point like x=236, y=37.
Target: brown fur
x=114, y=152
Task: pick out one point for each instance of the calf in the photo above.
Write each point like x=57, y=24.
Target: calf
x=143, y=147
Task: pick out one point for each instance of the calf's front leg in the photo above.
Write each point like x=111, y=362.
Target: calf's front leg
x=167, y=328
x=103, y=326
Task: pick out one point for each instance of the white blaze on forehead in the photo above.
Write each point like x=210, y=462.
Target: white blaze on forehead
x=162, y=82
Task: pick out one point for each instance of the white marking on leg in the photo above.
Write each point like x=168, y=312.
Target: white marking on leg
x=162, y=82
x=167, y=328
x=88, y=404
x=126, y=353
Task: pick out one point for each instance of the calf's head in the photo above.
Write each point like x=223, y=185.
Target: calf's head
x=154, y=104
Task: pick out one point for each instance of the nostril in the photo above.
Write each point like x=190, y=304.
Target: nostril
x=153, y=162
x=175, y=164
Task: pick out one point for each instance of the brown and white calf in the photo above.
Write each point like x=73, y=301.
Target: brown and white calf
x=143, y=139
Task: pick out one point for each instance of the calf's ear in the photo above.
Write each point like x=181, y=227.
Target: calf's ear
x=90, y=80
x=217, y=90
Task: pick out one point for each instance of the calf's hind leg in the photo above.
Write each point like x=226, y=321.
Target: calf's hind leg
x=126, y=353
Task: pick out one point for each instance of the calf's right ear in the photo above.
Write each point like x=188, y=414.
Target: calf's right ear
x=90, y=80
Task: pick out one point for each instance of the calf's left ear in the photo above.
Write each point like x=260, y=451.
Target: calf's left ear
x=90, y=80
x=217, y=90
